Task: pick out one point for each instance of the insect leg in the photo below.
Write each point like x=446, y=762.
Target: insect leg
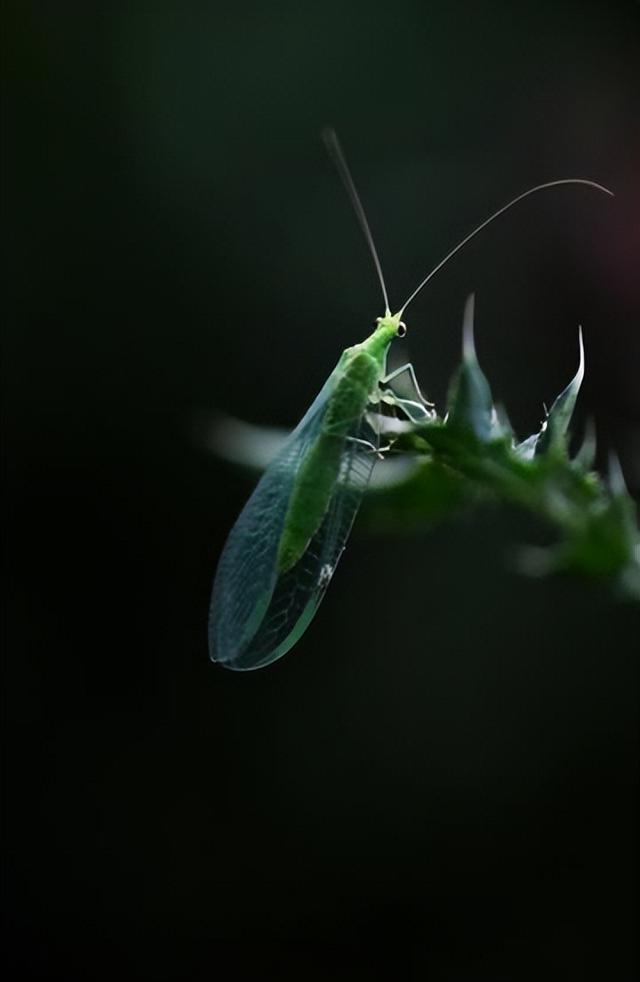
x=400, y=371
x=415, y=411
x=379, y=451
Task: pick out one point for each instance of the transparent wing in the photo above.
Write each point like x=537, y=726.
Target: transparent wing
x=257, y=614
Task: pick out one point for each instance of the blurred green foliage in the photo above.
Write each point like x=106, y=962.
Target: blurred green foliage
x=471, y=455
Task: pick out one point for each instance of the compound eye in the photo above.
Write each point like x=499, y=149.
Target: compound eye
x=402, y=329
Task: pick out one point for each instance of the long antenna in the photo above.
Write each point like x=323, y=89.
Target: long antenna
x=496, y=214
x=335, y=152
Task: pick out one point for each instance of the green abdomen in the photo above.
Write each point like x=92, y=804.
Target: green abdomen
x=310, y=498
x=318, y=475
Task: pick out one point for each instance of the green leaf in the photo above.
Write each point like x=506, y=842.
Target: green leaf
x=586, y=455
x=470, y=402
x=500, y=423
x=553, y=433
x=527, y=449
x=430, y=494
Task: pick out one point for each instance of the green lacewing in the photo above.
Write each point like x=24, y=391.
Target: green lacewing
x=283, y=550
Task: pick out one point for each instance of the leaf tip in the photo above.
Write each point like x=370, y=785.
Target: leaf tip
x=580, y=373
x=617, y=482
x=468, y=343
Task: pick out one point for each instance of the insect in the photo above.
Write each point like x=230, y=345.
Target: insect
x=285, y=545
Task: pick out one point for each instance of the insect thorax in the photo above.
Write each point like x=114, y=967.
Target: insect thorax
x=350, y=397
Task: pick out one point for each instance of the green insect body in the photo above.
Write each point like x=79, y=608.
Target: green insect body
x=356, y=385
x=284, y=547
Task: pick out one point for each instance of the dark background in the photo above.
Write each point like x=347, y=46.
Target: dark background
x=440, y=781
